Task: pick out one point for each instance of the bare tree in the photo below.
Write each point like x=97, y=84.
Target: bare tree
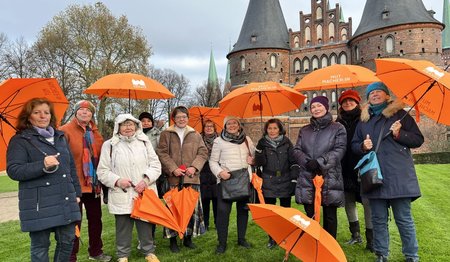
x=16, y=58
x=208, y=94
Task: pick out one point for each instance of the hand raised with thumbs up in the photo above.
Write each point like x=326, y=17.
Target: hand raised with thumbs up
x=367, y=143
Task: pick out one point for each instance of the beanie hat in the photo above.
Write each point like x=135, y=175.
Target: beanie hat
x=228, y=118
x=320, y=99
x=376, y=86
x=349, y=94
x=84, y=104
x=146, y=115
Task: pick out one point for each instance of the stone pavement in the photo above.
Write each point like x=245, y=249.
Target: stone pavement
x=10, y=206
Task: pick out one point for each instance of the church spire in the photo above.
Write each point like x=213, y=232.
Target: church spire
x=341, y=15
x=446, y=22
x=212, y=73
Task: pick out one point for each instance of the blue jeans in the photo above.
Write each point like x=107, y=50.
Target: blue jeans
x=401, y=208
x=40, y=243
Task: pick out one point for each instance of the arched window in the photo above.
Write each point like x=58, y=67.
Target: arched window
x=344, y=34
x=333, y=96
x=333, y=59
x=324, y=62
x=319, y=33
x=315, y=63
x=343, y=59
x=324, y=94
x=306, y=65
x=357, y=53
x=319, y=13
x=389, y=44
x=297, y=66
x=296, y=42
x=331, y=31
x=242, y=63
x=307, y=35
x=273, y=61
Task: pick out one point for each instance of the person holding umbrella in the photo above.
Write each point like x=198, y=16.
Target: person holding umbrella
x=319, y=150
x=183, y=153
x=274, y=154
x=349, y=114
x=400, y=185
x=128, y=166
x=38, y=156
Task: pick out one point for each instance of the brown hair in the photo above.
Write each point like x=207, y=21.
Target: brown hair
x=279, y=124
x=206, y=122
x=179, y=109
x=22, y=120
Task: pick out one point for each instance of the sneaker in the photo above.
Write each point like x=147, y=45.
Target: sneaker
x=101, y=257
x=151, y=258
x=244, y=243
x=122, y=259
x=381, y=258
x=271, y=243
x=412, y=259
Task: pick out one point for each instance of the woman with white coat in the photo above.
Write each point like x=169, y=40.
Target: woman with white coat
x=128, y=165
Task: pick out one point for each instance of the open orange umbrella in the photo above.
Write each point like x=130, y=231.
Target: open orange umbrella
x=199, y=114
x=149, y=207
x=15, y=92
x=418, y=83
x=297, y=233
x=336, y=76
x=261, y=99
x=128, y=85
x=257, y=183
x=318, y=182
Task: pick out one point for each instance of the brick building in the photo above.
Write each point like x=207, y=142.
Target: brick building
x=267, y=50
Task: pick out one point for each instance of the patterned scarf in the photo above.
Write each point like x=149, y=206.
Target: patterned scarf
x=209, y=141
x=90, y=160
x=274, y=142
x=235, y=139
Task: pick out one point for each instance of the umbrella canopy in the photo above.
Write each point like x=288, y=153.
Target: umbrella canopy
x=199, y=114
x=128, y=85
x=318, y=182
x=148, y=207
x=297, y=233
x=257, y=183
x=261, y=99
x=336, y=76
x=15, y=92
x=418, y=83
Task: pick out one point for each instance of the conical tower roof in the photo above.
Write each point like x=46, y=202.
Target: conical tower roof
x=212, y=72
x=264, y=27
x=446, y=21
x=385, y=13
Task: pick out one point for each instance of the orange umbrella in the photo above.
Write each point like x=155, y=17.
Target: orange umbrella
x=418, y=83
x=257, y=184
x=261, y=99
x=297, y=233
x=15, y=92
x=199, y=114
x=128, y=85
x=336, y=76
x=318, y=182
x=148, y=207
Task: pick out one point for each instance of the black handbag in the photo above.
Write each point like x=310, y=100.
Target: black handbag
x=237, y=187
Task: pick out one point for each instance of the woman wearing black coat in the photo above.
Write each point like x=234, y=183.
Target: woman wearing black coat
x=38, y=156
x=275, y=156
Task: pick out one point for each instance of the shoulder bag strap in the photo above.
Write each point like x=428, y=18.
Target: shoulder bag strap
x=380, y=137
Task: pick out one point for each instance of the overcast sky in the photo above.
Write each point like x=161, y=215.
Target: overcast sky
x=181, y=32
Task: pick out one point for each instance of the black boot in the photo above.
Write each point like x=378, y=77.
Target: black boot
x=187, y=242
x=369, y=239
x=174, y=245
x=271, y=243
x=356, y=235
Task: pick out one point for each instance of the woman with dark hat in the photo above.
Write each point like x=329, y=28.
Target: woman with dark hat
x=319, y=151
x=348, y=115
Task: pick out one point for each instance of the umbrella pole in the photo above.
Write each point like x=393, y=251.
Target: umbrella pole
x=260, y=112
x=129, y=102
x=295, y=243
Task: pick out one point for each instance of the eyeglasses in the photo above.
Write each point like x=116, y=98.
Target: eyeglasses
x=127, y=124
x=181, y=117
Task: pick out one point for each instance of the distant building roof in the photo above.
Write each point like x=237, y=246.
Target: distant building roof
x=264, y=27
x=385, y=13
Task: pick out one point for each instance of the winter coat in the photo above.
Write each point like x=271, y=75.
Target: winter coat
x=348, y=163
x=208, y=182
x=273, y=160
x=325, y=141
x=394, y=154
x=153, y=135
x=172, y=154
x=74, y=134
x=46, y=200
x=229, y=156
x=132, y=158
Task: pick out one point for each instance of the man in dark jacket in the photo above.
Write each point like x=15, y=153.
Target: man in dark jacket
x=400, y=186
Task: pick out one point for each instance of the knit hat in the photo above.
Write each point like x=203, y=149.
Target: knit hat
x=84, y=104
x=376, y=86
x=228, y=118
x=349, y=94
x=146, y=115
x=320, y=99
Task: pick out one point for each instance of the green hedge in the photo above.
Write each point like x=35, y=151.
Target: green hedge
x=432, y=158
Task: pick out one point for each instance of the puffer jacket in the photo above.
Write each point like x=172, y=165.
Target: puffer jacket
x=276, y=159
x=325, y=141
x=172, y=154
x=46, y=200
x=394, y=154
x=132, y=158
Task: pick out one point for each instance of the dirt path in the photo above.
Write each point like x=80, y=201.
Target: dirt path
x=10, y=207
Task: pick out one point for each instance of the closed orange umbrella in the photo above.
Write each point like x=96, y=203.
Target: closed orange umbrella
x=336, y=76
x=199, y=114
x=15, y=92
x=318, y=182
x=297, y=233
x=418, y=83
x=257, y=183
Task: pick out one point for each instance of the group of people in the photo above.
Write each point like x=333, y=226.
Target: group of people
x=61, y=170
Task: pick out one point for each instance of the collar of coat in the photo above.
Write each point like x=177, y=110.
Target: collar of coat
x=188, y=129
x=392, y=108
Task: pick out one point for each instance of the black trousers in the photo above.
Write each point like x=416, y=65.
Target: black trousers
x=284, y=201
x=329, y=217
x=223, y=218
x=206, y=204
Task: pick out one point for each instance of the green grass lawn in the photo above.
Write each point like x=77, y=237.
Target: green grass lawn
x=431, y=213
x=7, y=184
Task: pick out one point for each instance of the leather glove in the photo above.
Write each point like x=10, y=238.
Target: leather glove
x=294, y=172
x=260, y=146
x=312, y=165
